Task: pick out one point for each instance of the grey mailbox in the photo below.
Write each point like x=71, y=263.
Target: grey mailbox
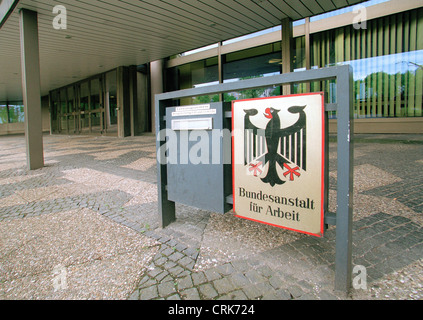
x=201, y=175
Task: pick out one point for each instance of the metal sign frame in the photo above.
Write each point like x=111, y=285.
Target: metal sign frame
x=343, y=77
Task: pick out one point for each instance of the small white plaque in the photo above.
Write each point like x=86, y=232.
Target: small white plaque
x=193, y=124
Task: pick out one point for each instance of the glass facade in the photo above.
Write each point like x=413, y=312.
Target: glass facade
x=256, y=62
x=78, y=108
x=259, y=61
x=193, y=75
x=16, y=113
x=3, y=114
x=387, y=61
x=12, y=113
x=386, y=57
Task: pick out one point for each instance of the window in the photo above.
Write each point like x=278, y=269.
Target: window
x=194, y=75
x=12, y=112
x=256, y=62
x=16, y=113
x=3, y=114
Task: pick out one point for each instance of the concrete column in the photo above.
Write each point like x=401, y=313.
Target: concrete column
x=287, y=45
x=31, y=90
x=121, y=100
x=142, y=114
x=156, y=80
x=125, y=100
x=133, y=97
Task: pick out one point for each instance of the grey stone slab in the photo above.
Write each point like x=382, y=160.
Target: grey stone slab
x=190, y=294
x=166, y=288
x=198, y=278
x=238, y=295
x=149, y=293
x=207, y=291
x=223, y=286
x=184, y=283
x=212, y=274
x=239, y=279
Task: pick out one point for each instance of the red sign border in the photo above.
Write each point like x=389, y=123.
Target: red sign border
x=322, y=209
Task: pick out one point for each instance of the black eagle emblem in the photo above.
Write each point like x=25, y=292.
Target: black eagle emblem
x=274, y=145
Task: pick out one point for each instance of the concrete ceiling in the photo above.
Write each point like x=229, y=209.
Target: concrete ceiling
x=104, y=34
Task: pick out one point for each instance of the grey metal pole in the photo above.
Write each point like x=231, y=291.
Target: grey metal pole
x=343, y=253
x=166, y=207
x=31, y=88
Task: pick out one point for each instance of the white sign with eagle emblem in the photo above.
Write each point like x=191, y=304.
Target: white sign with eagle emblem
x=278, y=161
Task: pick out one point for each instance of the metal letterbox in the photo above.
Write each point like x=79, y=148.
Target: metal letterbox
x=200, y=175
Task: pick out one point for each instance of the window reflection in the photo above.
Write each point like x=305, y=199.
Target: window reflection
x=389, y=85
x=262, y=61
x=12, y=113
x=193, y=75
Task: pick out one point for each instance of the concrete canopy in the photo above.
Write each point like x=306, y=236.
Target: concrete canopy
x=101, y=35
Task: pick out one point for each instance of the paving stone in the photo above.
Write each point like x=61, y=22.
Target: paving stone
x=166, y=288
x=187, y=262
x=169, y=264
x=147, y=282
x=252, y=292
x=161, y=275
x=172, y=243
x=254, y=276
x=283, y=294
x=276, y=282
x=240, y=265
x=305, y=285
x=234, y=295
x=192, y=252
x=184, y=273
x=266, y=271
x=295, y=291
x=176, y=270
x=134, y=296
x=212, y=274
x=264, y=287
x=161, y=261
x=167, y=278
x=325, y=295
x=306, y=296
x=149, y=293
x=164, y=239
x=239, y=279
x=176, y=256
x=198, y=278
x=184, y=283
x=154, y=272
x=180, y=247
x=225, y=269
x=223, y=285
x=207, y=291
x=270, y=295
x=190, y=294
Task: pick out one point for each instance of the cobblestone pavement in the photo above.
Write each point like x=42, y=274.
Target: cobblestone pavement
x=85, y=227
